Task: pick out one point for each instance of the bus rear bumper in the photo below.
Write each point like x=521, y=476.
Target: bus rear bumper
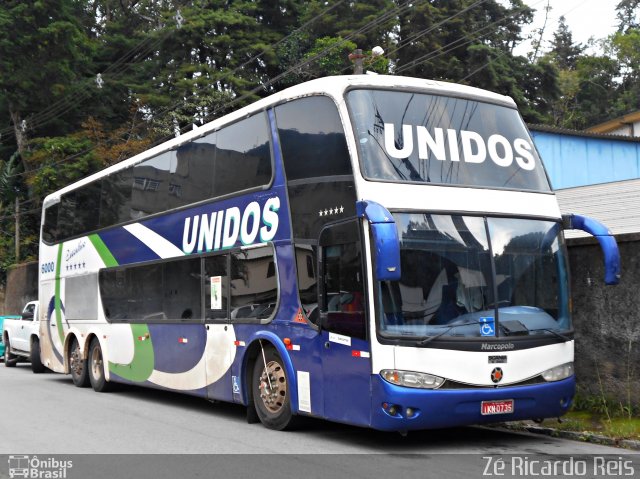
x=432, y=409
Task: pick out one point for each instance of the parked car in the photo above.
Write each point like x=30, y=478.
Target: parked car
x=2, y=318
x=21, y=338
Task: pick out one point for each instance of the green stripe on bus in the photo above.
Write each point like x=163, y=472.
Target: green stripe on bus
x=141, y=366
x=103, y=251
x=58, y=301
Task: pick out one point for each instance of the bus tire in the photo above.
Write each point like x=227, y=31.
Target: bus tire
x=77, y=365
x=10, y=360
x=271, y=396
x=95, y=364
x=36, y=364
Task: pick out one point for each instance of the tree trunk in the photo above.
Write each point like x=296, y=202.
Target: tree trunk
x=21, y=136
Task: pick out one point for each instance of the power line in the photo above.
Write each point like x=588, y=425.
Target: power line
x=456, y=43
x=420, y=34
x=228, y=104
x=82, y=90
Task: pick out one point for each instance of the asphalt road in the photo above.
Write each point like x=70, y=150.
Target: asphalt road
x=47, y=415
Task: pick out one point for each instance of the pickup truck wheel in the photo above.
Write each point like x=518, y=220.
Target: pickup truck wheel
x=98, y=380
x=10, y=360
x=78, y=366
x=36, y=364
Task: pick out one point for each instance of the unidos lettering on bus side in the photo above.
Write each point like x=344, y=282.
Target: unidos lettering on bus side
x=222, y=229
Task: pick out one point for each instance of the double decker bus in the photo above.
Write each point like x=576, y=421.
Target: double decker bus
x=380, y=251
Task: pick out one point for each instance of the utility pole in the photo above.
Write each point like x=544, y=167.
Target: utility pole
x=17, y=230
x=357, y=57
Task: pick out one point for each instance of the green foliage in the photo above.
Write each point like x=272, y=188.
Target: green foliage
x=161, y=76
x=53, y=168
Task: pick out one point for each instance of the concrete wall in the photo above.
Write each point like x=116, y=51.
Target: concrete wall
x=607, y=321
x=22, y=287
x=2, y=296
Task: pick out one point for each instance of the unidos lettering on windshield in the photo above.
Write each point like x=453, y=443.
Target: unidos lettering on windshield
x=422, y=138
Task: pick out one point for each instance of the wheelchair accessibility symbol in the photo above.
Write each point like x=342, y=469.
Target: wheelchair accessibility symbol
x=486, y=327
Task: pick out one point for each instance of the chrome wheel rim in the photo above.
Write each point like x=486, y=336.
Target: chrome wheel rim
x=273, y=387
x=96, y=363
x=76, y=361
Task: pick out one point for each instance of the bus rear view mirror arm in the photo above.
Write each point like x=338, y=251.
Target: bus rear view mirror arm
x=606, y=240
x=385, y=238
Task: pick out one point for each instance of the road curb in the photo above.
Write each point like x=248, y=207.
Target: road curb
x=584, y=436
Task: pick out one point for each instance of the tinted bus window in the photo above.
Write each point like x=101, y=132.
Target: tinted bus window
x=150, y=189
x=243, y=156
x=50, y=227
x=233, y=159
x=115, y=203
x=190, y=180
x=312, y=139
x=251, y=284
x=159, y=291
x=420, y=138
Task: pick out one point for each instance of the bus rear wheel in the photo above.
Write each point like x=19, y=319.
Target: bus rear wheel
x=97, y=377
x=10, y=360
x=270, y=390
x=78, y=365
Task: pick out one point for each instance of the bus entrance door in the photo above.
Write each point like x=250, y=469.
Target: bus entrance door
x=346, y=361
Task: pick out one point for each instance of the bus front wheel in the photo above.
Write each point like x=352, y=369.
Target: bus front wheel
x=98, y=380
x=270, y=390
x=78, y=365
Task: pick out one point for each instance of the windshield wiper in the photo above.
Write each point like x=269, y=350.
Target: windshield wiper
x=431, y=338
x=555, y=333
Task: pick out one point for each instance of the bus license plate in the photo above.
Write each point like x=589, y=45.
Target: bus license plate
x=504, y=406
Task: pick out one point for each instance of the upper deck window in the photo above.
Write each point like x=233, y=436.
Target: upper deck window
x=420, y=138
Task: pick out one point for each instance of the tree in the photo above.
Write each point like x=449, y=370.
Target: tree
x=565, y=53
x=628, y=15
x=44, y=51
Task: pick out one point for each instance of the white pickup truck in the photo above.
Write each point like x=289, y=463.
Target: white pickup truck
x=21, y=338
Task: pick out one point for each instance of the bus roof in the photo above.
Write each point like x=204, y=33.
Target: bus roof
x=333, y=85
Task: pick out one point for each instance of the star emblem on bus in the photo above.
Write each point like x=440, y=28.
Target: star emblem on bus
x=331, y=211
x=496, y=375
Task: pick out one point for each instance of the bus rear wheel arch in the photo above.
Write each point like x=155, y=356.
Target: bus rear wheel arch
x=270, y=391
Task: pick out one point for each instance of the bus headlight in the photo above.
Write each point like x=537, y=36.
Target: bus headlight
x=412, y=379
x=559, y=372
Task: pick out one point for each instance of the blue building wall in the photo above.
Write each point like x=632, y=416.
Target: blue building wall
x=575, y=160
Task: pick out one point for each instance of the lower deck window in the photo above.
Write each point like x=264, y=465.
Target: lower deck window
x=193, y=288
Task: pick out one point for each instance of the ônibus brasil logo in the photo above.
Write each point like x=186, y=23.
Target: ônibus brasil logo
x=36, y=468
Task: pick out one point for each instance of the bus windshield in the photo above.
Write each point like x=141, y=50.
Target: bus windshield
x=422, y=138
x=459, y=272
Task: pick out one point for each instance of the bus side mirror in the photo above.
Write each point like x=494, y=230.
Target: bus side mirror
x=386, y=245
x=605, y=238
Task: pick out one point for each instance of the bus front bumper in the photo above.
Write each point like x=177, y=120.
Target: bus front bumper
x=397, y=408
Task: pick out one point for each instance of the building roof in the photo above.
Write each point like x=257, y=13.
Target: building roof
x=586, y=133
x=616, y=123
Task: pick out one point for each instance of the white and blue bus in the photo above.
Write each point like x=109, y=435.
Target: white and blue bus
x=373, y=250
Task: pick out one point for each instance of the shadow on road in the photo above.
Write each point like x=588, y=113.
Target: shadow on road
x=482, y=439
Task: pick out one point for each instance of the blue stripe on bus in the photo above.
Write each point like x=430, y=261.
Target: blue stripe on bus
x=125, y=247
x=172, y=226
x=177, y=348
